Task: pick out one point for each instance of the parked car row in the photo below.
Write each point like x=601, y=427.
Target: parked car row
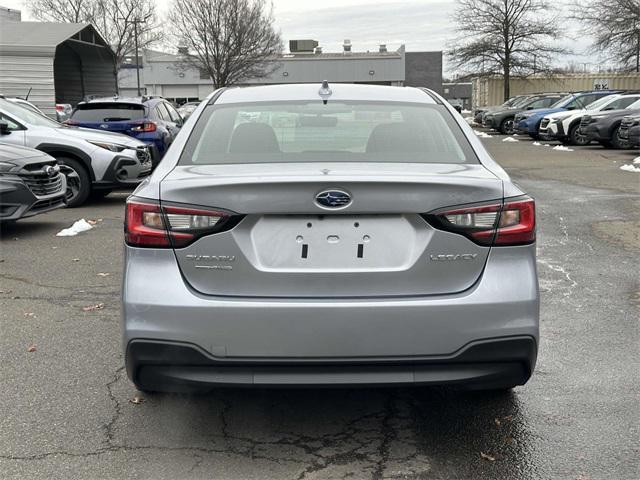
x=103, y=144
x=577, y=118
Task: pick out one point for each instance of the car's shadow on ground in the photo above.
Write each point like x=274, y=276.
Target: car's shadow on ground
x=446, y=429
x=26, y=229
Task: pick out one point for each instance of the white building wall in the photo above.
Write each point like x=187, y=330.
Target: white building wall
x=19, y=73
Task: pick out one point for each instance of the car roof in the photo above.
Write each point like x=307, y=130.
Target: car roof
x=310, y=91
x=116, y=99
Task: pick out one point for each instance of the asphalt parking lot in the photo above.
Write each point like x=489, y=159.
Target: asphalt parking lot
x=67, y=409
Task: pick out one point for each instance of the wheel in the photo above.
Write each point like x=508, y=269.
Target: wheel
x=100, y=194
x=605, y=143
x=507, y=126
x=535, y=136
x=616, y=142
x=577, y=138
x=78, y=181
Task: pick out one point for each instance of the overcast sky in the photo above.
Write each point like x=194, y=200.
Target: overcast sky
x=419, y=24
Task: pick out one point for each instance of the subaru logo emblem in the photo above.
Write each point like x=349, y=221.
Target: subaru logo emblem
x=50, y=171
x=104, y=125
x=333, y=199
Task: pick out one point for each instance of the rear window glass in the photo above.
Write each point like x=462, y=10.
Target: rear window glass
x=314, y=132
x=108, y=112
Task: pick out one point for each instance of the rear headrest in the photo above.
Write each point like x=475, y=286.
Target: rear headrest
x=254, y=138
x=395, y=137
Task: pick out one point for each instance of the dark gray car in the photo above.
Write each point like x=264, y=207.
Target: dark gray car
x=604, y=127
x=30, y=183
x=479, y=113
x=503, y=120
x=629, y=130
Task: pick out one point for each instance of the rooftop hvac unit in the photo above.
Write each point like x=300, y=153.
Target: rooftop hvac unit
x=302, y=46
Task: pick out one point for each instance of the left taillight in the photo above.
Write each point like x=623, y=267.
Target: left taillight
x=507, y=223
x=150, y=225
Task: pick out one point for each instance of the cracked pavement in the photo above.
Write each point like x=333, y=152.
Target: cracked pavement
x=66, y=409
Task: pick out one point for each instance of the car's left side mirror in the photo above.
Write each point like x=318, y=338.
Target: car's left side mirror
x=4, y=128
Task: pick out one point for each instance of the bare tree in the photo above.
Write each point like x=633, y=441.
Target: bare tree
x=114, y=19
x=615, y=27
x=74, y=11
x=506, y=37
x=230, y=40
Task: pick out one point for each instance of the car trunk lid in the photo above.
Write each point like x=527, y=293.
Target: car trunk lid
x=287, y=245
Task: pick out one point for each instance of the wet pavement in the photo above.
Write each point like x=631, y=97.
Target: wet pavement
x=67, y=409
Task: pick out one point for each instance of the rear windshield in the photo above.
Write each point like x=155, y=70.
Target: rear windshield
x=108, y=112
x=313, y=132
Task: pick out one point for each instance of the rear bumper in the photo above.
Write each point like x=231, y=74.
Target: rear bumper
x=165, y=366
x=414, y=332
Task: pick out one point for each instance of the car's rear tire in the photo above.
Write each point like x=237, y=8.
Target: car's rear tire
x=507, y=126
x=576, y=138
x=78, y=181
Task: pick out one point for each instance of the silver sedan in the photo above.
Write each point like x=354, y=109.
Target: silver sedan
x=329, y=235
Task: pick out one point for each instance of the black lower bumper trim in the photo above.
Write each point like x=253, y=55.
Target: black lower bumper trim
x=494, y=363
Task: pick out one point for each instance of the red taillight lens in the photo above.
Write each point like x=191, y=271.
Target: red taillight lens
x=149, y=225
x=517, y=223
x=144, y=127
x=59, y=108
x=510, y=223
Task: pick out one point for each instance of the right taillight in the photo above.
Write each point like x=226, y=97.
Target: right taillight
x=148, y=224
x=144, y=127
x=511, y=222
x=517, y=224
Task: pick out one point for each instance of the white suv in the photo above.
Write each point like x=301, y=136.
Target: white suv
x=565, y=126
x=96, y=162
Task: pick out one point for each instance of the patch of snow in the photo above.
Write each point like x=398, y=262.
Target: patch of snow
x=537, y=144
x=466, y=112
x=636, y=161
x=562, y=148
x=80, y=226
x=482, y=134
x=630, y=168
x=546, y=145
x=510, y=139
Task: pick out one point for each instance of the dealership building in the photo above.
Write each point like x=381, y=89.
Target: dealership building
x=167, y=75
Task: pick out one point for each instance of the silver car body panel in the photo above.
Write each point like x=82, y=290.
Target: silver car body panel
x=159, y=305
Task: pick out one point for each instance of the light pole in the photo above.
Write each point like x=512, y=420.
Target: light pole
x=135, y=22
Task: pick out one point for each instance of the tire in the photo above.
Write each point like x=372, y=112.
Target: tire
x=507, y=126
x=616, y=142
x=576, y=138
x=78, y=181
x=605, y=143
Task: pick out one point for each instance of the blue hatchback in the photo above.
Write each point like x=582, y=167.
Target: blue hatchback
x=528, y=122
x=152, y=120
